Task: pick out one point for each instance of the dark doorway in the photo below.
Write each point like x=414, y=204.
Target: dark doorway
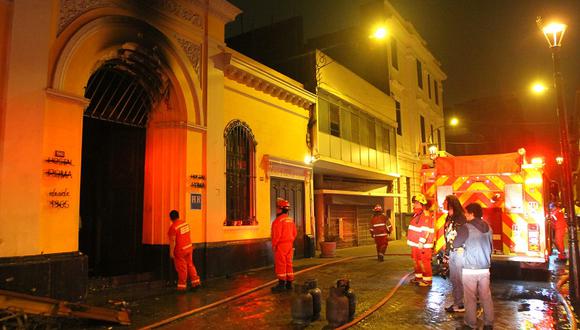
x=292, y=191
x=111, y=206
x=122, y=93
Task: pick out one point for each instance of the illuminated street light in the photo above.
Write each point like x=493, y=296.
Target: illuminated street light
x=554, y=33
x=380, y=33
x=433, y=151
x=454, y=121
x=539, y=88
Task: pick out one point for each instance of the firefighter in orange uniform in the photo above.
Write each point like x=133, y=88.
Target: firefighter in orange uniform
x=380, y=229
x=560, y=229
x=181, y=250
x=420, y=237
x=283, y=235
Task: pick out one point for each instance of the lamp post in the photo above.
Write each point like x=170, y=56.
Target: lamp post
x=554, y=33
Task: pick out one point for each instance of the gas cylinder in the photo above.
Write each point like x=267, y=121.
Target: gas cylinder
x=316, y=294
x=345, y=285
x=336, y=308
x=302, y=309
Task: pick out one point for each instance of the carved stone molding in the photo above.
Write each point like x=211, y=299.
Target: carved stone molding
x=193, y=52
x=175, y=8
x=71, y=9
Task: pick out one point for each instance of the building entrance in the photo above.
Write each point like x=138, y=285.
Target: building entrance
x=122, y=93
x=111, y=206
x=292, y=191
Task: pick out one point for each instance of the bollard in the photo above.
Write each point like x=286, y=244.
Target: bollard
x=316, y=294
x=302, y=309
x=345, y=285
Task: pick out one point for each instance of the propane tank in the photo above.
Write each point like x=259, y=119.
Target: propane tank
x=316, y=294
x=302, y=309
x=336, y=308
x=345, y=285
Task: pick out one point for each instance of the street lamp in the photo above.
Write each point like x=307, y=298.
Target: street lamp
x=539, y=88
x=432, y=147
x=554, y=33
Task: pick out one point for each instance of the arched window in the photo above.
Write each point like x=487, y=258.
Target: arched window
x=240, y=174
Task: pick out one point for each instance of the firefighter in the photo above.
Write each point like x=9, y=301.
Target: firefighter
x=420, y=236
x=181, y=250
x=380, y=229
x=560, y=228
x=283, y=235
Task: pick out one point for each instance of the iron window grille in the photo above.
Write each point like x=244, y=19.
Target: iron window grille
x=240, y=174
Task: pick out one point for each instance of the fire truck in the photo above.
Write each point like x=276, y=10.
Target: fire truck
x=514, y=195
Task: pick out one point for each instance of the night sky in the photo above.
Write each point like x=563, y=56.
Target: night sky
x=486, y=47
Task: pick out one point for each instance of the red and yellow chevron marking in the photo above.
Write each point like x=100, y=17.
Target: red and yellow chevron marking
x=482, y=189
x=440, y=231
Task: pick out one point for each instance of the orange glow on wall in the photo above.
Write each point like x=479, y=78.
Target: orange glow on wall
x=165, y=170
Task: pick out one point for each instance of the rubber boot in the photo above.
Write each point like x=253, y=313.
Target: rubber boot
x=289, y=286
x=381, y=257
x=281, y=287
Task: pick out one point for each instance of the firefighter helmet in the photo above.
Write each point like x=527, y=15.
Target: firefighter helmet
x=420, y=198
x=282, y=203
x=378, y=208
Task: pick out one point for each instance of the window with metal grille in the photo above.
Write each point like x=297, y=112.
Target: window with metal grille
x=240, y=174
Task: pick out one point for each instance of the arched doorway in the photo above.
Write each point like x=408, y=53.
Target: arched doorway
x=122, y=92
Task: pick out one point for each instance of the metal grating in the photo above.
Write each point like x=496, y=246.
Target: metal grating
x=124, y=89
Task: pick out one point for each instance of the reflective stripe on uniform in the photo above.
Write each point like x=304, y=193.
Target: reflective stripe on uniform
x=377, y=235
x=379, y=224
x=413, y=228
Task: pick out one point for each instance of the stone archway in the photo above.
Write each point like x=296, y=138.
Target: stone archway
x=123, y=91
x=134, y=144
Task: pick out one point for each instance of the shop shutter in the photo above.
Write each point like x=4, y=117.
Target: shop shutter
x=363, y=216
x=342, y=224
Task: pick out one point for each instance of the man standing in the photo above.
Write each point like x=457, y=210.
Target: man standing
x=283, y=235
x=420, y=235
x=181, y=250
x=380, y=229
x=560, y=228
x=476, y=237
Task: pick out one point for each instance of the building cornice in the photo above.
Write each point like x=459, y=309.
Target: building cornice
x=261, y=79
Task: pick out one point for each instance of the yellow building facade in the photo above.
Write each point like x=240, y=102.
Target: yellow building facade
x=113, y=113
